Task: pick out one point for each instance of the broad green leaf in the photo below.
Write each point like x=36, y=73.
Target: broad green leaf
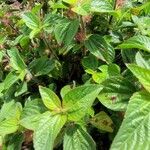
x=16, y=60
x=31, y=114
x=10, y=110
x=15, y=142
x=142, y=74
x=79, y=100
x=90, y=62
x=100, y=48
x=101, y=6
x=77, y=138
x=139, y=42
x=31, y=20
x=47, y=131
x=41, y=66
x=8, y=126
x=116, y=93
x=50, y=99
x=2, y=39
x=65, y=31
x=102, y=121
x=10, y=79
x=134, y=132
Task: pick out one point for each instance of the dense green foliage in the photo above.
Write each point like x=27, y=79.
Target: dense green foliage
x=75, y=74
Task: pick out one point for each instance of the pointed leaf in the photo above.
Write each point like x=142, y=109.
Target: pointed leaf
x=50, y=99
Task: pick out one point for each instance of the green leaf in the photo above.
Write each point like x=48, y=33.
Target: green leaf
x=65, y=31
x=101, y=6
x=116, y=93
x=47, y=131
x=134, y=132
x=141, y=61
x=142, y=74
x=65, y=90
x=10, y=110
x=31, y=114
x=102, y=121
x=90, y=62
x=31, y=20
x=22, y=89
x=100, y=48
x=8, y=126
x=15, y=141
x=139, y=42
x=50, y=99
x=16, y=60
x=77, y=138
x=41, y=66
x=10, y=79
x=79, y=100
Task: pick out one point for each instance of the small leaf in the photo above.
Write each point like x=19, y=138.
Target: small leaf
x=77, y=138
x=31, y=20
x=47, y=131
x=102, y=121
x=65, y=90
x=22, y=89
x=50, y=99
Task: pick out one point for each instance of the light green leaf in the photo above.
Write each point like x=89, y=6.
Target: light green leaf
x=139, y=42
x=77, y=138
x=100, y=48
x=134, y=132
x=10, y=79
x=8, y=126
x=141, y=61
x=116, y=93
x=10, y=110
x=65, y=90
x=16, y=61
x=31, y=114
x=65, y=31
x=142, y=74
x=47, y=131
x=50, y=99
x=31, y=20
x=102, y=121
x=101, y=6
x=79, y=100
